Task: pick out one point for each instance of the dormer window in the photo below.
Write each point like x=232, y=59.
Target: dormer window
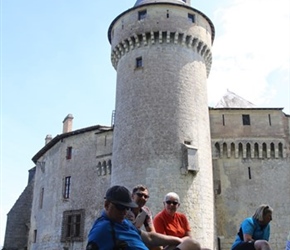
x=191, y=17
x=142, y=14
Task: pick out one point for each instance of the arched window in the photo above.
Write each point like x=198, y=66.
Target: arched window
x=104, y=168
x=240, y=150
x=272, y=148
x=109, y=167
x=233, y=149
x=280, y=150
x=264, y=148
x=99, y=168
x=256, y=150
x=225, y=150
x=217, y=149
x=248, y=150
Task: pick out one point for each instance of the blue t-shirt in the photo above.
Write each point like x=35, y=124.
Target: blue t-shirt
x=102, y=234
x=252, y=227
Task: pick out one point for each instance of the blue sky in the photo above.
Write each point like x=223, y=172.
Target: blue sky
x=55, y=60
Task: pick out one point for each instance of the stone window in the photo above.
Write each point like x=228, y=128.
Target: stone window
x=248, y=150
x=272, y=150
x=34, y=236
x=66, y=191
x=142, y=14
x=104, y=168
x=41, y=198
x=139, y=62
x=191, y=17
x=246, y=120
x=256, y=150
x=68, y=153
x=269, y=117
x=264, y=150
x=73, y=225
x=109, y=167
x=249, y=173
x=280, y=149
x=217, y=150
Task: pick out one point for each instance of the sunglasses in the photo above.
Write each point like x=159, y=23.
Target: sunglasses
x=142, y=195
x=120, y=207
x=171, y=202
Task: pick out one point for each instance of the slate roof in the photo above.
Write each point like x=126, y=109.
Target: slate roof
x=141, y=2
x=232, y=100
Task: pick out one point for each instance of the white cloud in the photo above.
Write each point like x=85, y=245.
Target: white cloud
x=252, y=44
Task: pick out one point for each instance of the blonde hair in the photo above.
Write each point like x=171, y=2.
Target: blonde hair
x=261, y=211
x=172, y=194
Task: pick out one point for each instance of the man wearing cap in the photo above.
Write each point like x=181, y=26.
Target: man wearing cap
x=141, y=215
x=113, y=231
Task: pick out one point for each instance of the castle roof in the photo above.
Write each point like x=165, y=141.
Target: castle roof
x=141, y=2
x=56, y=139
x=232, y=100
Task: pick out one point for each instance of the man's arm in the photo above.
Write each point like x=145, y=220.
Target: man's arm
x=156, y=239
x=248, y=229
x=148, y=223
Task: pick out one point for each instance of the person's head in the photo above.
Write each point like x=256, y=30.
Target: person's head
x=117, y=202
x=263, y=214
x=140, y=195
x=171, y=202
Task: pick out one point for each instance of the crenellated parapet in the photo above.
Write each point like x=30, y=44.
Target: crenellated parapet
x=250, y=149
x=162, y=37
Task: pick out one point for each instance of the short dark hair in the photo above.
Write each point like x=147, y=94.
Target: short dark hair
x=139, y=187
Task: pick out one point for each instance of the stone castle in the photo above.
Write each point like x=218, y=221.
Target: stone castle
x=222, y=161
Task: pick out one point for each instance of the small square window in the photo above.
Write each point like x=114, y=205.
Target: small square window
x=139, y=63
x=191, y=17
x=246, y=120
x=142, y=14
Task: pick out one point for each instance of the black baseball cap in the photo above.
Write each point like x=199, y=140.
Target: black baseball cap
x=120, y=195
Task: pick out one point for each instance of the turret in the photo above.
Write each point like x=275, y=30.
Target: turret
x=161, y=51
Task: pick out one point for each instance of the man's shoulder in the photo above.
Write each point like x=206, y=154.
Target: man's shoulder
x=101, y=221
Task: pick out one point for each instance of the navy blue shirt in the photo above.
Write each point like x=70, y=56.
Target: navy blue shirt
x=102, y=234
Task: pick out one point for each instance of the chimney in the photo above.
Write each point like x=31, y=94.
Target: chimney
x=48, y=138
x=67, y=124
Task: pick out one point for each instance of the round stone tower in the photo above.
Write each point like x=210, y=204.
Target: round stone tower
x=161, y=51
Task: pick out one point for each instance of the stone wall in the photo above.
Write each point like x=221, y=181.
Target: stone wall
x=255, y=170
x=18, y=219
x=86, y=190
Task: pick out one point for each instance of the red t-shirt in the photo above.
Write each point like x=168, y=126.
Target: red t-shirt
x=176, y=225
